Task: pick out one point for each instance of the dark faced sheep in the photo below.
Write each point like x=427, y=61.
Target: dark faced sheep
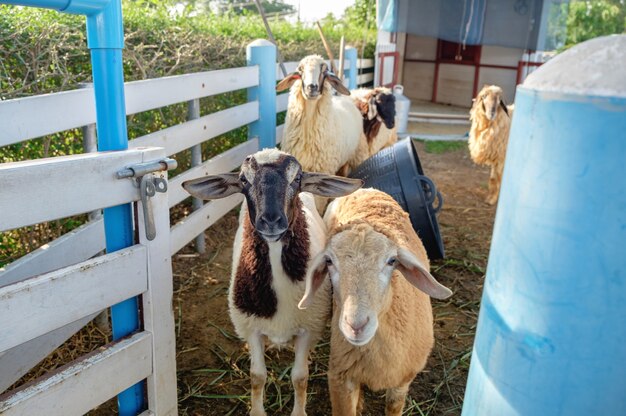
x=279, y=233
x=378, y=109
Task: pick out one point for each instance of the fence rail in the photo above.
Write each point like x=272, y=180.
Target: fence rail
x=79, y=184
x=72, y=109
x=66, y=295
x=121, y=364
x=38, y=313
x=23, y=183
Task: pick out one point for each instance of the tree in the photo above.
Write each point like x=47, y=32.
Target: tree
x=271, y=7
x=361, y=13
x=592, y=18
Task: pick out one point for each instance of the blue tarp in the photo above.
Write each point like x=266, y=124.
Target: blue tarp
x=526, y=24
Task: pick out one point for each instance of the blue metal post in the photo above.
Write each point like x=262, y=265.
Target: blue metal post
x=105, y=38
x=351, y=56
x=551, y=334
x=263, y=54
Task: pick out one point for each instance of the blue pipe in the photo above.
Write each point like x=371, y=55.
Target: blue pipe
x=85, y=7
x=263, y=53
x=105, y=38
x=118, y=225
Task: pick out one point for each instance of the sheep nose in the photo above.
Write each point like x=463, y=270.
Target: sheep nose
x=357, y=325
x=311, y=87
x=270, y=219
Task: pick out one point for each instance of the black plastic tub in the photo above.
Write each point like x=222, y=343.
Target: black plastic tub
x=397, y=171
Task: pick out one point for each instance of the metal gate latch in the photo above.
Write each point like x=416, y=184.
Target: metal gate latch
x=149, y=185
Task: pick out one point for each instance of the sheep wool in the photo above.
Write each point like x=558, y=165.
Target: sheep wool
x=488, y=139
x=376, y=135
x=405, y=330
x=323, y=134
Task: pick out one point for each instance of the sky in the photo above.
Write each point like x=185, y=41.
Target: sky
x=311, y=10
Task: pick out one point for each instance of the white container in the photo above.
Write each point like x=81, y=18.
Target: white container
x=403, y=105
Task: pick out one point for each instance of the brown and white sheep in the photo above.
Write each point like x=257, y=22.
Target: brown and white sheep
x=321, y=130
x=489, y=134
x=382, y=324
x=279, y=233
x=378, y=109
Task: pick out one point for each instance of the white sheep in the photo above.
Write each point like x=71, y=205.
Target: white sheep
x=322, y=131
x=382, y=324
x=489, y=134
x=279, y=233
x=378, y=110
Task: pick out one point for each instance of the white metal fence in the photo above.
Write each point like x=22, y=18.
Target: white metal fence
x=40, y=312
x=65, y=269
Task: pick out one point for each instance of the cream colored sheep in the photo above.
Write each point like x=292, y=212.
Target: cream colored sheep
x=279, y=233
x=382, y=324
x=378, y=109
x=321, y=130
x=489, y=135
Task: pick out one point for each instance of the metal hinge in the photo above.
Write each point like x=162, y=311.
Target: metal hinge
x=149, y=185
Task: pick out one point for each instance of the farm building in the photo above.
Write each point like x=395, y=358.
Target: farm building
x=126, y=311
x=445, y=51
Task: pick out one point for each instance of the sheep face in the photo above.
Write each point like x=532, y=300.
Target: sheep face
x=311, y=76
x=361, y=263
x=313, y=70
x=270, y=181
x=490, y=98
x=386, y=108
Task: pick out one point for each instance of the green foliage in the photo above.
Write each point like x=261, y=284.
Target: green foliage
x=43, y=51
x=592, y=18
x=362, y=13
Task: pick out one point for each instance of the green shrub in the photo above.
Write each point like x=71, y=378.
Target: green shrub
x=43, y=51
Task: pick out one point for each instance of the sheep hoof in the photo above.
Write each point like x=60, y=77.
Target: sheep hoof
x=298, y=412
x=258, y=412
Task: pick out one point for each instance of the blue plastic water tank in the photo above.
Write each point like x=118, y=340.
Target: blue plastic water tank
x=551, y=335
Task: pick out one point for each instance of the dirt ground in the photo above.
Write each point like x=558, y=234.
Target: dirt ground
x=213, y=364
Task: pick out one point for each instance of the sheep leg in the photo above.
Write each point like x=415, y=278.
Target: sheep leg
x=494, y=186
x=395, y=398
x=300, y=372
x=345, y=396
x=258, y=373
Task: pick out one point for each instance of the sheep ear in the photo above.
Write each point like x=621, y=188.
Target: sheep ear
x=372, y=111
x=336, y=83
x=288, y=81
x=214, y=186
x=419, y=277
x=314, y=278
x=328, y=185
x=503, y=105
